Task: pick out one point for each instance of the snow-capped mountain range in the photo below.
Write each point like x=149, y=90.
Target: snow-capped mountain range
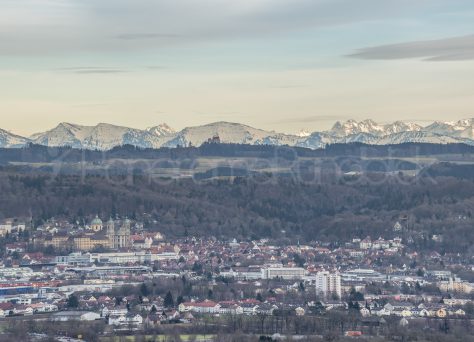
x=8, y=139
x=106, y=136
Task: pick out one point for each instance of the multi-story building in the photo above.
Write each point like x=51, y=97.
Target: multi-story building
x=328, y=284
x=366, y=243
x=243, y=273
x=76, y=258
x=58, y=241
x=283, y=272
x=87, y=242
x=455, y=285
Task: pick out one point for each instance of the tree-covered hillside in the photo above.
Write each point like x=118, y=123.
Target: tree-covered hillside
x=260, y=205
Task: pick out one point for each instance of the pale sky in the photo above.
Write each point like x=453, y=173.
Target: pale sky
x=283, y=65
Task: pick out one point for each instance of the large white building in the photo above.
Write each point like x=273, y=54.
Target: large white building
x=78, y=258
x=328, y=284
x=283, y=272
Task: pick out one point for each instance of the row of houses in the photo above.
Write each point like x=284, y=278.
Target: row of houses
x=11, y=309
x=410, y=310
x=248, y=307
x=380, y=243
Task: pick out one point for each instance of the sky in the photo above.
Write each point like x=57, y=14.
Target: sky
x=282, y=65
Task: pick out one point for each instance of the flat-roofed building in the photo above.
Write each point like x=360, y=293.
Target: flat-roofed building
x=283, y=272
x=328, y=284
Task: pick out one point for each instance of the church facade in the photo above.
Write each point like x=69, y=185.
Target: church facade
x=119, y=236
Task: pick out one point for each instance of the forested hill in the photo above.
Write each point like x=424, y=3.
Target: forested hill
x=258, y=206
x=38, y=153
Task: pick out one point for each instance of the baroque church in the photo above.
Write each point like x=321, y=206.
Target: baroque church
x=117, y=233
x=119, y=238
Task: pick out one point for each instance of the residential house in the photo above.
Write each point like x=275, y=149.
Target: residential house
x=126, y=320
x=207, y=306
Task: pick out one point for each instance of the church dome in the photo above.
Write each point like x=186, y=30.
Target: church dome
x=96, y=221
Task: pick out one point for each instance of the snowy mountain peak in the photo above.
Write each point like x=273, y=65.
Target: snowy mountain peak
x=463, y=124
x=67, y=125
x=400, y=126
x=304, y=133
x=161, y=130
x=8, y=139
x=352, y=127
x=461, y=127
x=228, y=132
x=103, y=136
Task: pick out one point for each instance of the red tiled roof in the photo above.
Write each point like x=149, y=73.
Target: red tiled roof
x=205, y=304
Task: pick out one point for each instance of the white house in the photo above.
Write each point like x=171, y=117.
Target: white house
x=23, y=310
x=66, y=316
x=207, y=306
x=114, y=311
x=365, y=243
x=230, y=308
x=129, y=319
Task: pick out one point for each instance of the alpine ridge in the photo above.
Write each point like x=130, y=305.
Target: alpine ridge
x=104, y=136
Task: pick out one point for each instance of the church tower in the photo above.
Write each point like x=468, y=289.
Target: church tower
x=123, y=235
x=111, y=233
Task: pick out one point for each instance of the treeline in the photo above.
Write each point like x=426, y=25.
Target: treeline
x=463, y=171
x=38, y=153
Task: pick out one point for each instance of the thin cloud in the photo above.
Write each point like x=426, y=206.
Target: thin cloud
x=109, y=25
x=103, y=71
x=156, y=67
x=289, y=86
x=448, y=49
x=87, y=105
x=139, y=36
x=93, y=70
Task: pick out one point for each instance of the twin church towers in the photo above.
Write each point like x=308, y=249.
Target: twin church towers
x=117, y=232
